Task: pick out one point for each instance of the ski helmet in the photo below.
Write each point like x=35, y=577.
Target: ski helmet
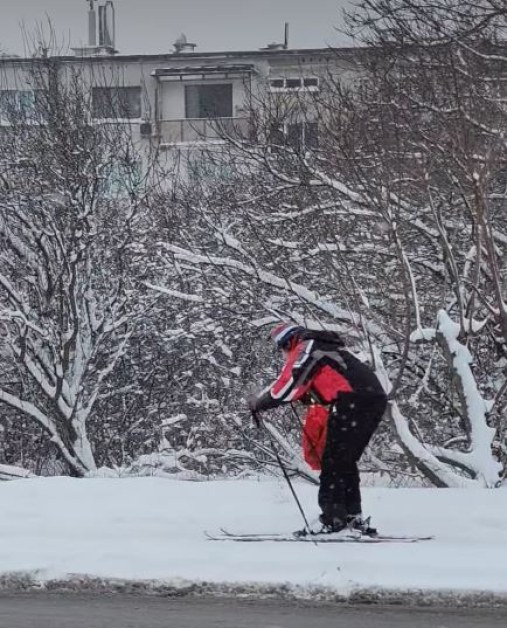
x=283, y=333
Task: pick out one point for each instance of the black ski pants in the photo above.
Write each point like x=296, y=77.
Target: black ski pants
x=352, y=420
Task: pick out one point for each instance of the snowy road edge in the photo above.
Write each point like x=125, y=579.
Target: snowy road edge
x=19, y=582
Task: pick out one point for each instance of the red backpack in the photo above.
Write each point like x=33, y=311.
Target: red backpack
x=314, y=435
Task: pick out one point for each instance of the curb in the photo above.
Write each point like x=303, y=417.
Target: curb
x=33, y=582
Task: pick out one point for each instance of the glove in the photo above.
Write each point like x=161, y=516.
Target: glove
x=256, y=419
x=252, y=403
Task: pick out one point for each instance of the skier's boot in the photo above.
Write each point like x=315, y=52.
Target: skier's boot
x=328, y=525
x=356, y=522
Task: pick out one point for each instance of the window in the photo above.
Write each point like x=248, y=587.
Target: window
x=18, y=106
x=311, y=135
x=276, y=135
x=297, y=135
x=121, y=179
x=302, y=135
x=116, y=102
x=208, y=101
x=277, y=83
x=308, y=84
x=293, y=83
x=311, y=82
x=201, y=171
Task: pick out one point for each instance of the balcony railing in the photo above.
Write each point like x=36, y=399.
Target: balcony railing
x=201, y=129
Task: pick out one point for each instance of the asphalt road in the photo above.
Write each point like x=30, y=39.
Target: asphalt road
x=43, y=610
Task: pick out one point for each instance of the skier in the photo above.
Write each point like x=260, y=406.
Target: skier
x=319, y=369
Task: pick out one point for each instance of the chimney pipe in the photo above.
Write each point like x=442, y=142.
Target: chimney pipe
x=92, y=26
x=106, y=25
x=286, y=37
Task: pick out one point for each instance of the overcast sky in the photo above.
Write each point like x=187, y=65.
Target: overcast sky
x=151, y=26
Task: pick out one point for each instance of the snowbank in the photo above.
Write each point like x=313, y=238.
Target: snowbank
x=8, y=472
x=149, y=532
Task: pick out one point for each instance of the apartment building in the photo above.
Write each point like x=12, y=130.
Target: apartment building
x=180, y=99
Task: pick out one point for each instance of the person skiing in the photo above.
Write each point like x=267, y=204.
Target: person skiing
x=318, y=369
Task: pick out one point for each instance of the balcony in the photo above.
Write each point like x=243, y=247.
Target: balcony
x=201, y=130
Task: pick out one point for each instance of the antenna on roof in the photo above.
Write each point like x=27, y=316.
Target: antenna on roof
x=279, y=46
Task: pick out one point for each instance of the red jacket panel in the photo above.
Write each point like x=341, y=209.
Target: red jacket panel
x=284, y=387
x=326, y=382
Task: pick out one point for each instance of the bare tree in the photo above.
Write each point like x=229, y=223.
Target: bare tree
x=388, y=228
x=71, y=229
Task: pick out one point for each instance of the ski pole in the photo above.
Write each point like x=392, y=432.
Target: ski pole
x=259, y=424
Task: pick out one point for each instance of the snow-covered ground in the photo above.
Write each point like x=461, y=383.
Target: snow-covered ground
x=153, y=529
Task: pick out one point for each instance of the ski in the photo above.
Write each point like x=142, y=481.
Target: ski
x=281, y=535
x=225, y=535
x=224, y=532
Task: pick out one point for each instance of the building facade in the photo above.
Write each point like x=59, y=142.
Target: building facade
x=179, y=101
